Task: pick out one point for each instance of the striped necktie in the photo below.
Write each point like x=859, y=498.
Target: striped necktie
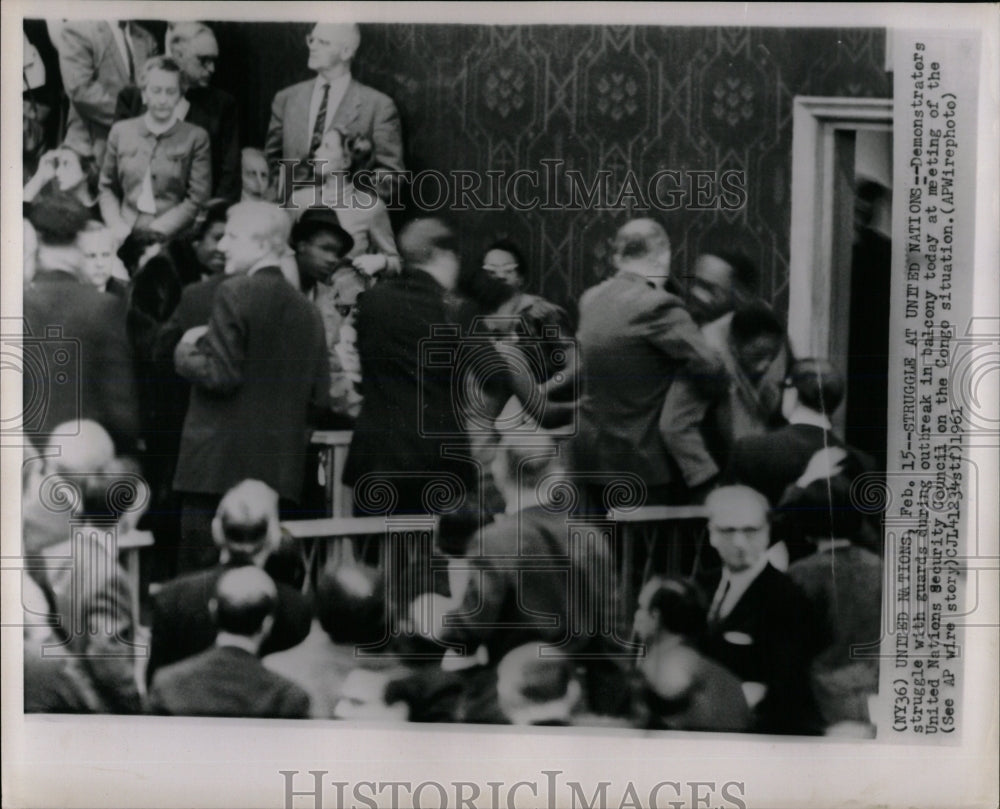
x=320, y=123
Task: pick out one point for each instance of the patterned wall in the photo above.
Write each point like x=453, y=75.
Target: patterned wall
x=614, y=98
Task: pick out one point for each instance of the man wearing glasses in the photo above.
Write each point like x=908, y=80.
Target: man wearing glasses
x=193, y=47
x=303, y=113
x=760, y=625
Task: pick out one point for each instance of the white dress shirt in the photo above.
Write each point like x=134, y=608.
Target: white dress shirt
x=732, y=586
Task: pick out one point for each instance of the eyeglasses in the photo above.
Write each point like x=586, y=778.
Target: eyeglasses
x=729, y=531
x=504, y=268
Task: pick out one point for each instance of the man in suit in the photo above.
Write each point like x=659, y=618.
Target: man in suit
x=259, y=374
x=760, y=625
x=408, y=415
x=228, y=679
x=302, y=113
x=634, y=340
x=721, y=282
x=75, y=336
x=192, y=45
x=97, y=59
x=770, y=462
x=247, y=531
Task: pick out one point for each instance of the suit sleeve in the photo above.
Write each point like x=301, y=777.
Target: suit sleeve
x=119, y=388
x=273, y=142
x=228, y=184
x=215, y=362
x=109, y=186
x=78, y=66
x=387, y=136
x=199, y=185
x=670, y=328
x=320, y=400
x=129, y=103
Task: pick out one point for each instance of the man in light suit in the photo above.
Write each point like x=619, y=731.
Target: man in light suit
x=97, y=59
x=297, y=125
x=258, y=371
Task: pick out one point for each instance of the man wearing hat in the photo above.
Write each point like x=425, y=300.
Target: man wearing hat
x=409, y=413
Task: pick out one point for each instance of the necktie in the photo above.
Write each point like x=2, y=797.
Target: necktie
x=720, y=597
x=128, y=51
x=320, y=123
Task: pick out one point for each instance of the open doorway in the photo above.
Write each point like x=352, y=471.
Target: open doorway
x=841, y=253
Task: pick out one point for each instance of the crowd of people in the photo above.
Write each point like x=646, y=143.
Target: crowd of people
x=188, y=335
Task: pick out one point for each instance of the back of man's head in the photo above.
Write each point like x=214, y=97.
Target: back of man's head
x=420, y=239
x=680, y=606
x=111, y=490
x=639, y=238
x=244, y=598
x=58, y=218
x=264, y=221
x=78, y=448
x=536, y=689
x=819, y=385
x=246, y=521
x=350, y=604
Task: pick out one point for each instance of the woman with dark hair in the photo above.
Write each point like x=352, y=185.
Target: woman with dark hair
x=340, y=159
x=66, y=169
x=157, y=169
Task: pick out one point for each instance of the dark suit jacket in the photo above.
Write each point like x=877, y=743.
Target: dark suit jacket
x=255, y=375
x=214, y=111
x=633, y=340
x=363, y=111
x=773, y=461
x=77, y=346
x=226, y=681
x=408, y=410
x=770, y=637
x=182, y=625
x=93, y=72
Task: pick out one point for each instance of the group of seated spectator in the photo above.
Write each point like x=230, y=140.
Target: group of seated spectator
x=191, y=334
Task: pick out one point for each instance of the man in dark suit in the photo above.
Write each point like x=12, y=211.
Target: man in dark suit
x=259, y=375
x=408, y=414
x=247, y=531
x=193, y=47
x=634, y=340
x=97, y=59
x=760, y=625
x=773, y=461
x=75, y=338
x=302, y=113
x=228, y=679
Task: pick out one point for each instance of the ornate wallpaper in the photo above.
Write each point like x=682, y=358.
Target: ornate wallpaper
x=611, y=99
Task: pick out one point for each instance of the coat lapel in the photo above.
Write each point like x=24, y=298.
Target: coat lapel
x=347, y=113
x=297, y=117
x=111, y=48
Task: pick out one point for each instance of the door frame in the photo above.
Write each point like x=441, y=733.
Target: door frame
x=811, y=293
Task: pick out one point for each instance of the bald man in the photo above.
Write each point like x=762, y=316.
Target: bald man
x=192, y=45
x=302, y=113
x=246, y=531
x=259, y=374
x=229, y=679
x=75, y=450
x=634, y=339
x=760, y=625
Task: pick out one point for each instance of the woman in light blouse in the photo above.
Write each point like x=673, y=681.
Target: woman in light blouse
x=359, y=209
x=157, y=168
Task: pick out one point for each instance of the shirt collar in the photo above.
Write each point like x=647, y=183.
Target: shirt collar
x=158, y=129
x=803, y=415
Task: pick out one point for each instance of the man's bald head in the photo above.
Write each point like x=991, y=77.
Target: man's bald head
x=642, y=246
x=246, y=521
x=79, y=448
x=244, y=598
